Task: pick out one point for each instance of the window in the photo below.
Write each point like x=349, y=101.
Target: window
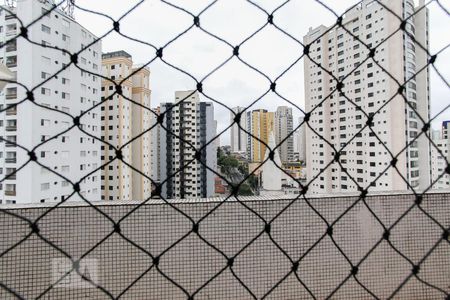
x=45, y=186
x=45, y=91
x=65, y=23
x=45, y=29
x=65, y=81
x=45, y=75
x=46, y=61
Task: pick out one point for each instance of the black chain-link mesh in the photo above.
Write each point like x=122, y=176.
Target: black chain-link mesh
x=261, y=220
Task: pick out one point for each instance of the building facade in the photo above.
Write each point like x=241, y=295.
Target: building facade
x=141, y=130
x=440, y=157
x=125, y=123
x=340, y=116
x=238, y=135
x=187, y=128
x=155, y=149
x=72, y=93
x=301, y=140
x=284, y=135
x=259, y=124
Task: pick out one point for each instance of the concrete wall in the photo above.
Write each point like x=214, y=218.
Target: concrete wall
x=32, y=266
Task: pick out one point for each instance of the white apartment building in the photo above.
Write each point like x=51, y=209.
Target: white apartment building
x=238, y=135
x=284, y=136
x=122, y=121
x=370, y=89
x=155, y=149
x=300, y=140
x=72, y=92
x=440, y=159
x=182, y=174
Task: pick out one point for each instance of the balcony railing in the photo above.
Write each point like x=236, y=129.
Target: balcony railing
x=10, y=193
x=11, y=160
x=11, y=127
x=11, y=177
x=11, y=48
x=10, y=143
x=10, y=17
x=11, y=96
x=11, y=112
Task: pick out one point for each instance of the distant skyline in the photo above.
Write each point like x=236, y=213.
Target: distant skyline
x=270, y=51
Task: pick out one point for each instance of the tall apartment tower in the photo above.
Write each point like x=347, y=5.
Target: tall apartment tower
x=191, y=120
x=238, y=135
x=72, y=92
x=122, y=121
x=284, y=127
x=155, y=149
x=259, y=124
x=338, y=121
x=141, y=124
x=301, y=140
x=440, y=159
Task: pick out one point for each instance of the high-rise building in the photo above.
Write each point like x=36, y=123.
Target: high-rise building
x=141, y=124
x=339, y=116
x=72, y=93
x=259, y=124
x=301, y=140
x=238, y=135
x=445, y=129
x=155, y=149
x=125, y=124
x=284, y=135
x=440, y=157
x=189, y=125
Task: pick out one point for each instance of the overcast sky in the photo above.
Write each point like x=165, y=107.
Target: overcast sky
x=270, y=51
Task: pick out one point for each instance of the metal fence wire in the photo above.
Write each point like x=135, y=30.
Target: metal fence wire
x=263, y=223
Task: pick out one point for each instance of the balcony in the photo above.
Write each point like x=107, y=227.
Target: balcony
x=11, y=160
x=10, y=17
x=10, y=193
x=11, y=127
x=11, y=177
x=11, y=96
x=11, y=112
x=11, y=46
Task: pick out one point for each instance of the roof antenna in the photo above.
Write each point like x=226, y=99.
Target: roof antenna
x=67, y=7
x=10, y=3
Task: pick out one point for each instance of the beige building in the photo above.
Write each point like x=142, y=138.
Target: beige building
x=259, y=124
x=123, y=120
x=370, y=89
